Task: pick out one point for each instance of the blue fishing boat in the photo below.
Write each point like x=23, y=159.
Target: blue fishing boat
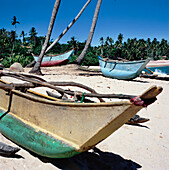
x=56, y=60
x=122, y=70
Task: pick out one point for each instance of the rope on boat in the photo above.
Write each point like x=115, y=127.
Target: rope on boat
x=82, y=98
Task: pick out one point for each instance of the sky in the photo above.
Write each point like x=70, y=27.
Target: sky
x=139, y=19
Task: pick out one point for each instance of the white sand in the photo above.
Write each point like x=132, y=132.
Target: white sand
x=146, y=146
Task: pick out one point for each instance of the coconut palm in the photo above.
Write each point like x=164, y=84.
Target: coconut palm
x=36, y=68
x=120, y=38
x=111, y=41
x=13, y=39
x=33, y=37
x=23, y=36
x=102, y=41
x=68, y=27
x=14, y=22
x=101, y=48
x=72, y=42
x=90, y=36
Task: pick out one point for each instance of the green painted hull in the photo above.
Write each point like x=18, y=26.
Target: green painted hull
x=33, y=140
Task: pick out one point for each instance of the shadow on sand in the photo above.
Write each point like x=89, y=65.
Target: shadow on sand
x=138, y=125
x=17, y=156
x=95, y=160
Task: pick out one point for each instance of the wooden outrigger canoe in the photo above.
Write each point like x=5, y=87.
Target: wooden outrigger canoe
x=122, y=70
x=56, y=60
x=53, y=128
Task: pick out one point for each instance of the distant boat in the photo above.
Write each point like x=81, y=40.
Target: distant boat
x=122, y=70
x=159, y=66
x=56, y=60
x=60, y=129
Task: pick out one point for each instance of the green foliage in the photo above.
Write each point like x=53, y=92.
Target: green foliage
x=90, y=59
x=133, y=49
x=73, y=58
x=13, y=49
x=37, y=50
x=23, y=60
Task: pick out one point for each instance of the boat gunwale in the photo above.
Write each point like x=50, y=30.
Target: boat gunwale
x=57, y=54
x=122, y=62
x=55, y=101
x=62, y=103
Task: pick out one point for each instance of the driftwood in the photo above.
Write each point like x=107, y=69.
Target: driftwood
x=6, y=150
x=146, y=96
x=36, y=82
x=19, y=86
x=40, y=82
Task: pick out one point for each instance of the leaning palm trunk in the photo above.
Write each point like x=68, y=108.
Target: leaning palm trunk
x=82, y=55
x=36, y=68
x=68, y=27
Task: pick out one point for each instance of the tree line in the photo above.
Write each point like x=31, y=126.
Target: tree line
x=20, y=48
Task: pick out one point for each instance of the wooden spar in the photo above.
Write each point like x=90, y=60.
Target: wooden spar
x=32, y=85
x=42, y=82
x=149, y=70
x=68, y=27
x=62, y=91
x=149, y=94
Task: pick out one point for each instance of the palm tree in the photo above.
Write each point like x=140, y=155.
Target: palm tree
x=68, y=27
x=110, y=41
x=14, y=22
x=13, y=33
x=101, y=41
x=33, y=37
x=13, y=38
x=72, y=42
x=101, y=48
x=23, y=36
x=90, y=36
x=36, y=68
x=119, y=42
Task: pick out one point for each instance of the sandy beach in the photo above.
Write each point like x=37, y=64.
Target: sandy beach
x=145, y=146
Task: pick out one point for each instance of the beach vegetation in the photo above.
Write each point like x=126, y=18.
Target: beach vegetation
x=14, y=48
